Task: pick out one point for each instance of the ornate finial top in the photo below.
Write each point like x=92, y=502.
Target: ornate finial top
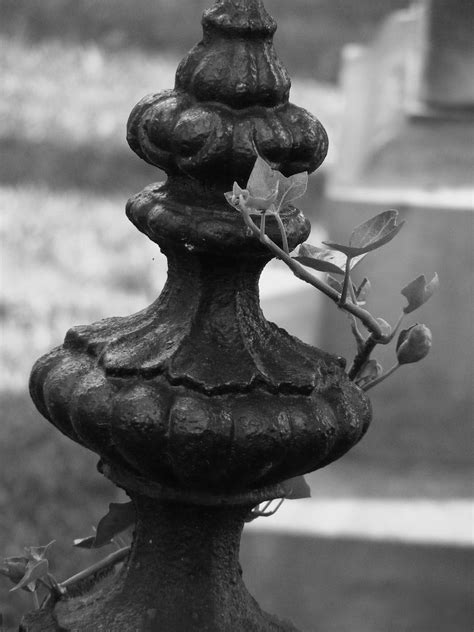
x=240, y=17
x=235, y=63
x=230, y=102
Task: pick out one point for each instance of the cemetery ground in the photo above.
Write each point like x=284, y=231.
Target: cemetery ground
x=70, y=256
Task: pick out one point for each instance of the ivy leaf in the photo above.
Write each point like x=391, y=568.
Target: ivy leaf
x=291, y=189
x=267, y=189
x=23, y=571
x=296, y=488
x=325, y=260
x=376, y=231
x=37, y=553
x=317, y=259
x=369, y=372
x=263, y=180
x=418, y=292
x=266, y=183
x=34, y=570
x=262, y=187
x=370, y=235
x=119, y=517
x=261, y=192
x=258, y=203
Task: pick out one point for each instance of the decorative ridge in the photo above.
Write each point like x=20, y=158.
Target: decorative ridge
x=131, y=481
x=188, y=441
x=207, y=333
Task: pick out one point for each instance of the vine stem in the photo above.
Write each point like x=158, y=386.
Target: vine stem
x=347, y=283
x=111, y=560
x=302, y=273
x=397, y=325
x=360, y=340
x=369, y=345
x=262, y=226
x=362, y=356
x=381, y=378
x=283, y=234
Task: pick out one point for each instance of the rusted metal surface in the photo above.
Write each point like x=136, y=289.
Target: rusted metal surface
x=198, y=407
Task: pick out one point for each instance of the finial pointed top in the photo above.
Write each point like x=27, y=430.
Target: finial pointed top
x=235, y=63
x=230, y=103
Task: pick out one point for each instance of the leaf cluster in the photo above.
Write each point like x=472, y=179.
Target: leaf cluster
x=27, y=570
x=268, y=191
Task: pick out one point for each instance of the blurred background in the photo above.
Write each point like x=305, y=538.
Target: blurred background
x=384, y=542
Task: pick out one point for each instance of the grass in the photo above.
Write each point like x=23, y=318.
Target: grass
x=68, y=258
x=65, y=107
x=55, y=274
x=49, y=490
x=311, y=32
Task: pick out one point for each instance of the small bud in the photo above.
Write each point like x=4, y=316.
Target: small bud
x=413, y=344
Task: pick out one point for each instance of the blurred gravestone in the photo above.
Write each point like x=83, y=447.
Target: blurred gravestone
x=406, y=143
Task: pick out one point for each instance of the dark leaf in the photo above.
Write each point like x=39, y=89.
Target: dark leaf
x=296, y=488
x=119, y=517
x=86, y=543
x=321, y=265
x=35, y=570
x=14, y=568
x=419, y=291
x=324, y=260
x=370, y=235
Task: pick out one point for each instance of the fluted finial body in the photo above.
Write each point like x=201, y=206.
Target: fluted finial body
x=198, y=393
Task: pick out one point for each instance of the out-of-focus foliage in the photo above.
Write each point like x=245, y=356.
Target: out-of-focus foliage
x=311, y=32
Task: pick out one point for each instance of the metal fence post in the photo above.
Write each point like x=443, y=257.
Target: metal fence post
x=197, y=406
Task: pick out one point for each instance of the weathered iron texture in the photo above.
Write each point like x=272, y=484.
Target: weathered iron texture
x=198, y=407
